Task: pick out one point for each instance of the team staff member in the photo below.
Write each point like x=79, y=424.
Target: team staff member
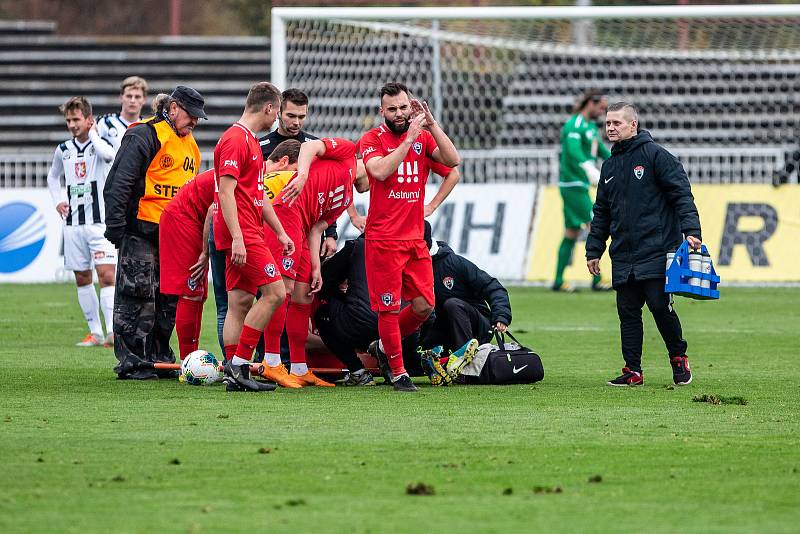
x=183, y=240
x=469, y=302
x=645, y=203
x=581, y=147
x=398, y=262
x=156, y=157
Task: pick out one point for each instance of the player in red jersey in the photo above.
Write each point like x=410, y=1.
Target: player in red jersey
x=183, y=239
x=239, y=231
x=397, y=260
x=326, y=170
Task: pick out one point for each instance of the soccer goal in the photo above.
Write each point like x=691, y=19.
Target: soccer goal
x=716, y=84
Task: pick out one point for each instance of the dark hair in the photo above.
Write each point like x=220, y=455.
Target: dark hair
x=76, y=102
x=592, y=95
x=261, y=94
x=290, y=147
x=394, y=89
x=295, y=96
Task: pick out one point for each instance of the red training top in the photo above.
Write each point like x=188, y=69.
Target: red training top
x=192, y=201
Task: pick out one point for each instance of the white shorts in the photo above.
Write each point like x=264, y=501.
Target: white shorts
x=85, y=244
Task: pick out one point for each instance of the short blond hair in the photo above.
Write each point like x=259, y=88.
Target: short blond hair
x=135, y=82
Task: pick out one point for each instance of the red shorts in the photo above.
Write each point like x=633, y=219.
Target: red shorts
x=398, y=270
x=297, y=265
x=180, y=244
x=259, y=269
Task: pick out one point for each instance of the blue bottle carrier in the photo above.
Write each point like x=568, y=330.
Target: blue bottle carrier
x=679, y=276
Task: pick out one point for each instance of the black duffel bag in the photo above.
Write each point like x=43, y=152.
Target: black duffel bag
x=506, y=365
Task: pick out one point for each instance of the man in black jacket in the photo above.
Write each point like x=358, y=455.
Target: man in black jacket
x=469, y=302
x=645, y=203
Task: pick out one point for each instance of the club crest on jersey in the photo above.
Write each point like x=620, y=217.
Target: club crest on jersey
x=638, y=171
x=270, y=269
x=191, y=283
x=448, y=282
x=387, y=299
x=417, y=148
x=80, y=169
x=321, y=198
x=288, y=263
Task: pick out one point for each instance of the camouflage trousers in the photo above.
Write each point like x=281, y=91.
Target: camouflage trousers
x=143, y=317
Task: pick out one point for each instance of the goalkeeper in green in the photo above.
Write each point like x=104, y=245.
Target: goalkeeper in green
x=581, y=146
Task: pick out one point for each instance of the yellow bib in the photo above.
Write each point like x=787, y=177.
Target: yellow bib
x=175, y=164
x=275, y=181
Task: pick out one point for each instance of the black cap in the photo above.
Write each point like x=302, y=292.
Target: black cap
x=190, y=100
x=428, y=235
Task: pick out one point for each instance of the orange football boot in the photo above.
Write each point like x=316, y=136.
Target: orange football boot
x=310, y=379
x=281, y=376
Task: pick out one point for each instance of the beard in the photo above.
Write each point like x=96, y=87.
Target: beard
x=397, y=130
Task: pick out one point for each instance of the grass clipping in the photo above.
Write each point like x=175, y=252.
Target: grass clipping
x=719, y=399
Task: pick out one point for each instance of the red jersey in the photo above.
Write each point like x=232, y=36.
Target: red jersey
x=238, y=154
x=192, y=201
x=329, y=189
x=397, y=204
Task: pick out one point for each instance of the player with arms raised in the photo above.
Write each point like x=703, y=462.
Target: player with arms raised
x=397, y=259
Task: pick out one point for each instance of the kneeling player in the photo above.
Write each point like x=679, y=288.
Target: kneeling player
x=183, y=238
x=328, y=169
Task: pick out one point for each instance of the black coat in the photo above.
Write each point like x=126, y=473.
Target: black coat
x=645, y=203
x=455, y=276
x=348, y=264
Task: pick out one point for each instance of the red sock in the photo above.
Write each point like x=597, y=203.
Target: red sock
x=272, y=334
x=389, y=331
x=230, y=352
x=198, y=318
x=297, y=331
x=409, y=321
x=186, y=325
x=248, y=340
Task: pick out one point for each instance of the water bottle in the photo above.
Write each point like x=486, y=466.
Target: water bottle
x=706, y=269
x=670, y=257
x=696, y=265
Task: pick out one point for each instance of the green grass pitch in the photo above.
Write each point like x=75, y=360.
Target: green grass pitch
x=83, y=452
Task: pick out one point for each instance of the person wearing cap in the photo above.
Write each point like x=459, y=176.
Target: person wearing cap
x=157, y=156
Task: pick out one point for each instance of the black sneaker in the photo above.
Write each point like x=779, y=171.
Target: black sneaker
x=237, y=378
x=681, y=373
x=628, y=378
x=383, y=361
x=361, y=377
x=404, y=383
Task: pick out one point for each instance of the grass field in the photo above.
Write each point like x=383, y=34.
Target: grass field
x=86, y=453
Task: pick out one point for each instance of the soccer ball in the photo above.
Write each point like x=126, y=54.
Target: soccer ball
x=200, y=368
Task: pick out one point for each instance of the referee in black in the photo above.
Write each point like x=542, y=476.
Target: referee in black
x=645, y=204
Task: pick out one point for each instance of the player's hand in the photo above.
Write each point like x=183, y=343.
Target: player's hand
x=200, y=268
x=292, y=190
x=238, y=252
x=359, y=222
x=593, y=266
x=328, y=248
x=429, y=120
x=694, y=242
x=287, y=243
x=316, y=281
x=63, y=209
x=500, y=327
x=414, y=128
x=429, y=209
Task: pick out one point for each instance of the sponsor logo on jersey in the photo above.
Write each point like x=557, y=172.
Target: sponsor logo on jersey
x=22, y=235
x=80, y=169
x=166, y=161
x=387, y=299
x=269, y=269
x=448, y=282
x=417, y=148
x=288, y=263
x=331, y=141
x=191, y=284
x=638, y=171
x=404, y=195
x=230, y=163
x=369, y=150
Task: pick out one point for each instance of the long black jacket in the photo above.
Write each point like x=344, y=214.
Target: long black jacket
x=455, y=276
x=348, y=264
x=645, y=203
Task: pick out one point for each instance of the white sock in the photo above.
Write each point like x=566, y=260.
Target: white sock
x=236, y=360
x=380, y=346
x=272, y=360
x=107, y=305
x=398, y=377
x=299, y=369
x=87, y=298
